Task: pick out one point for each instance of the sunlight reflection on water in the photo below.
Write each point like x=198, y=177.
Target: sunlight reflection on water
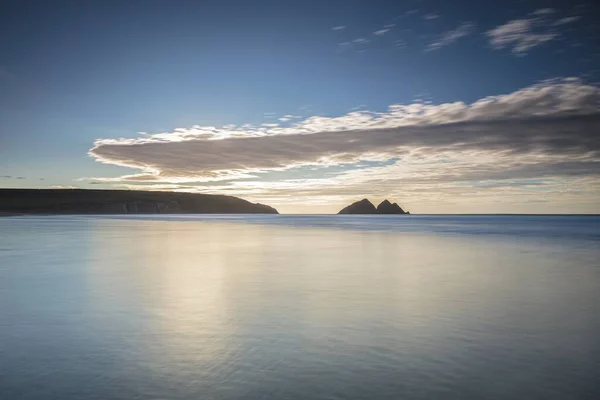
x=260, y=307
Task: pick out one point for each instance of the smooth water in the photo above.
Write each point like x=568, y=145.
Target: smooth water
x=300, y=307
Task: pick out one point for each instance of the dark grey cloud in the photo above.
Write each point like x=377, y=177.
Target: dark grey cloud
x=572, y=135
x=550, y=131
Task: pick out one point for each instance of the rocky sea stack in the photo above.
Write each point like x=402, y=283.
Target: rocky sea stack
x=388, y=208
x=364, y=206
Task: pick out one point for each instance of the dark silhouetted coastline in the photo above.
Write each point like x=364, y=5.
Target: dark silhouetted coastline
x=81, y=201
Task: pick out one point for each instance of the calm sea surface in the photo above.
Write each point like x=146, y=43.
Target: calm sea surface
x=300, y=307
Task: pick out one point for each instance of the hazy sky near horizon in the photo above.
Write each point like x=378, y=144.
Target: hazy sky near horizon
x=443, y=107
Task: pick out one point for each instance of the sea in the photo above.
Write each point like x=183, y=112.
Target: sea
x=300, y=307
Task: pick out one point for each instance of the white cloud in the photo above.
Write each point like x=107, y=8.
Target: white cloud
x=361, y=41
x=289, y=117
x=544, y=11
x=566, y=20
x=521, y=35
x=400, y=43
x=338, y=28
x=381, y=32
x=431, y=16
x=452, y=36
x=292, y=116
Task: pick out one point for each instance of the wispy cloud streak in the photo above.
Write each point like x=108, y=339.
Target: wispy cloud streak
x=446, y=39
x=522, y=35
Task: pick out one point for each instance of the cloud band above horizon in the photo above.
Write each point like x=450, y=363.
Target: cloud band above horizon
x=547, y=130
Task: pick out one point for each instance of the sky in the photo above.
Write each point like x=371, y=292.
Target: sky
x=442, y=106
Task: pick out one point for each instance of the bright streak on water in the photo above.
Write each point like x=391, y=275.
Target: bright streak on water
x=300, y=307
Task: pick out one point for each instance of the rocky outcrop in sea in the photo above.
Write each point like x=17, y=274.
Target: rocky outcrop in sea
x=364, y=206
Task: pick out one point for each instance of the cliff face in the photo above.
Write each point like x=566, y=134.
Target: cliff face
x=366, y=207
x=78, y=201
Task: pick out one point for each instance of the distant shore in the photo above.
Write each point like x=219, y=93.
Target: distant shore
x=81, y=201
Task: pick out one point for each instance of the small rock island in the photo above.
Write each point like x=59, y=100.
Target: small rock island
x=364, y=206
x=388, y=208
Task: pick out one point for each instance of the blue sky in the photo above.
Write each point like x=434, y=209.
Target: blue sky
x=77, y=76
